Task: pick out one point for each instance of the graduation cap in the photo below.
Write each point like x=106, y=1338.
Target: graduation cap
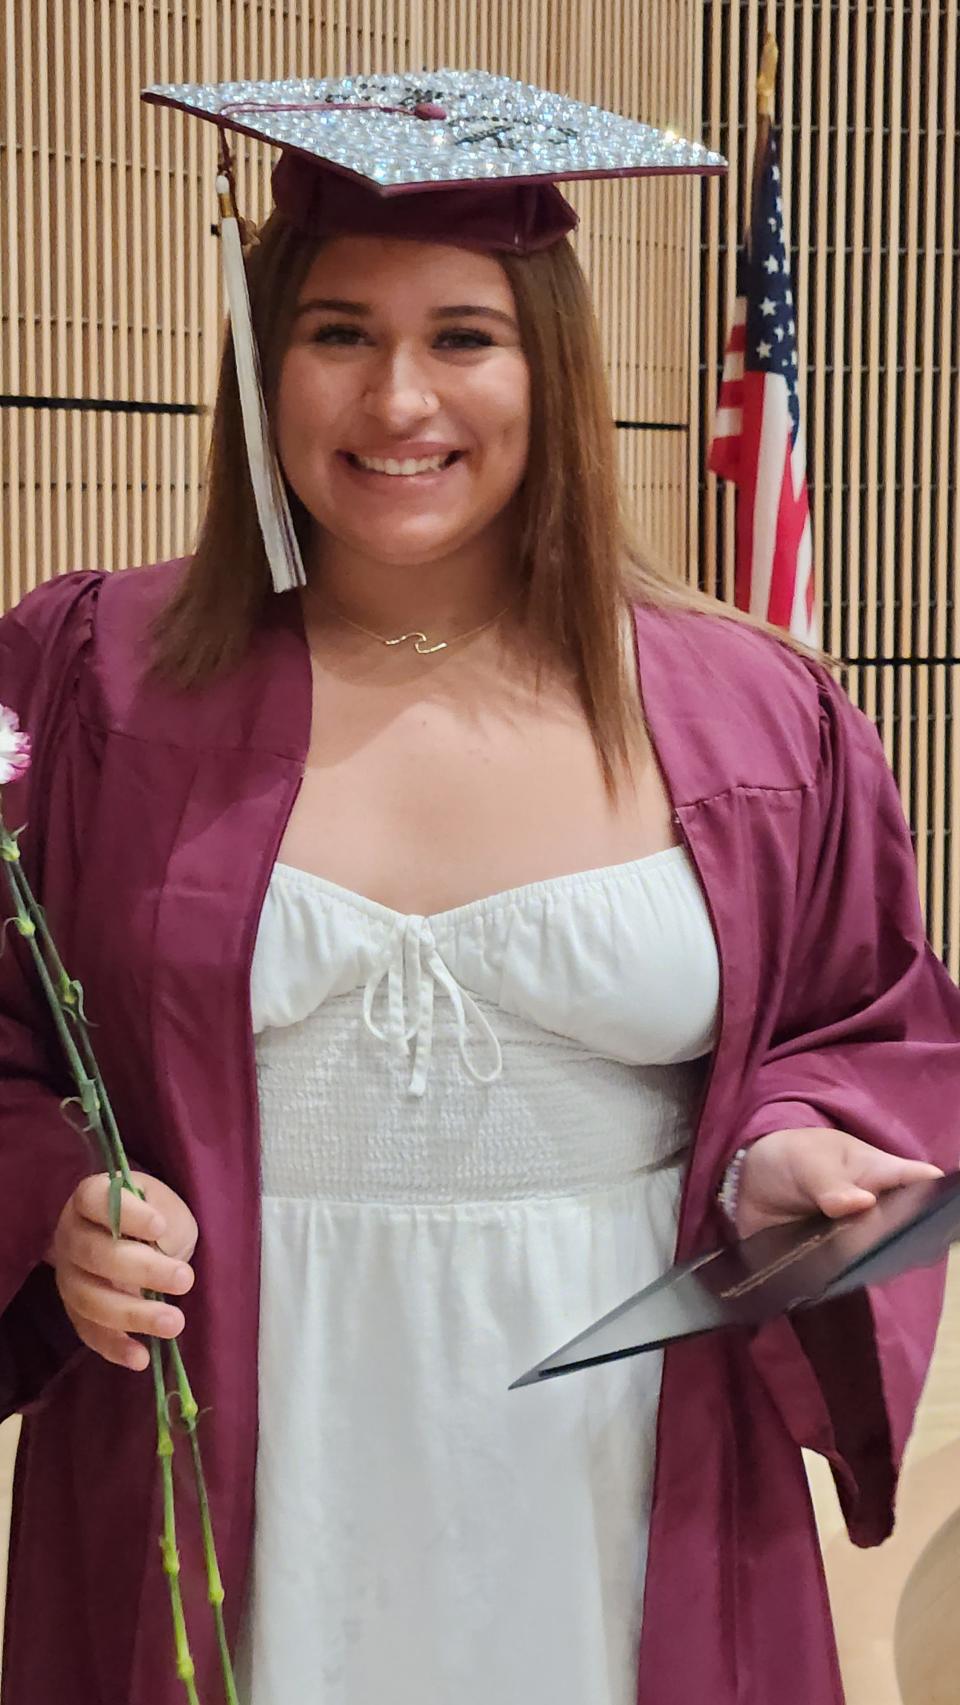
x=462, y=157
x=771, y=1273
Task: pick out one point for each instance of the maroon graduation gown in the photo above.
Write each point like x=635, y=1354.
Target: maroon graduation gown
x=154, y=821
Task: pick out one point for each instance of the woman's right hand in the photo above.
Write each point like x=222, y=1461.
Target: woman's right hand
x=100, y=1277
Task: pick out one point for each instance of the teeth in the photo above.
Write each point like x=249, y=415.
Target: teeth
x=429, y=465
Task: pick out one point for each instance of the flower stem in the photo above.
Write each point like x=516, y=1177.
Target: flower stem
x=26, y=921
x=168, y=1542
x=188, y=1415
x=66, y=1002
x=67, y=998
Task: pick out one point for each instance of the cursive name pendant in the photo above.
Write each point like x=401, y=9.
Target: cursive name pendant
x=421, y=647
x=421, y=644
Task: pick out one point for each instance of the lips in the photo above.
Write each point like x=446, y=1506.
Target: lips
x=407, y=466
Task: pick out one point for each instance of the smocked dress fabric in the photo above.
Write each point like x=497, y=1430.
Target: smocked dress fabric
x=473, y=1129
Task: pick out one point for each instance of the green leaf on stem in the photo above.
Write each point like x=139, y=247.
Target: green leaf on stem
x=8, y=843
x=3, y=931
x=71, y=996
x=73, y=1101
x=89, y=1099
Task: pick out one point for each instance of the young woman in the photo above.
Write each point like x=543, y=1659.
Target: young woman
x=449, y=925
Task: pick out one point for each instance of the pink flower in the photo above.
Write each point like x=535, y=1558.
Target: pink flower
x=14, y=747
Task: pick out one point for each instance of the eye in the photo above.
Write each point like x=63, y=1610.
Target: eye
x=465, y=340
x=341, y=335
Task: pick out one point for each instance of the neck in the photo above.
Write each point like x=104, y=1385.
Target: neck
x=443, y=597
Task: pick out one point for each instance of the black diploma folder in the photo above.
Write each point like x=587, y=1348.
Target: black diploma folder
x=789, y=1266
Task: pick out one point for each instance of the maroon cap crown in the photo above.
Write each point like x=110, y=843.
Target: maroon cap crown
x=515, y=217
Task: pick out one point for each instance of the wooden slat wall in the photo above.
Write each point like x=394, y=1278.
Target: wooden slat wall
x=867, y=106
x=110, y=302
x=97, y=303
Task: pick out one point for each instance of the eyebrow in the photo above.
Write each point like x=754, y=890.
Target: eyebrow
x=459, y=310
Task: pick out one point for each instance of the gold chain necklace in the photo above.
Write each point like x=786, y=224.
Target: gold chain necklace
x=421, y=646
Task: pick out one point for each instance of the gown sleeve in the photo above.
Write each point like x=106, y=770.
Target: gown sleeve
x=867, y=1040
x=42, y=1157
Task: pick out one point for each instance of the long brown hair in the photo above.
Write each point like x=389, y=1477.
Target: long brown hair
x=578, y=562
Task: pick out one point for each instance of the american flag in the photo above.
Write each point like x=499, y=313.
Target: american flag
x=758, y=439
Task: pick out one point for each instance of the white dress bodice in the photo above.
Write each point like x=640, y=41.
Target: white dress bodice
x=472, y=1128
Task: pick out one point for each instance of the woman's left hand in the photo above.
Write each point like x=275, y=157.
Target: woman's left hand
x=789, y=1174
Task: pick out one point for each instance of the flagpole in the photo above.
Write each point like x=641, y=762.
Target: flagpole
x=766, y=88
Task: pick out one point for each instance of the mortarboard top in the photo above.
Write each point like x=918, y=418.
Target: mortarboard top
x=414, y=130
x=354, y=148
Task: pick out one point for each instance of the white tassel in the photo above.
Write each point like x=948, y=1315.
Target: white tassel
x=276, y=522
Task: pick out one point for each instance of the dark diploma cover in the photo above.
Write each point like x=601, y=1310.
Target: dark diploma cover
x=788, y=1267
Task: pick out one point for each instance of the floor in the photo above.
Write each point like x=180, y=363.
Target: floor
x=866, y=1586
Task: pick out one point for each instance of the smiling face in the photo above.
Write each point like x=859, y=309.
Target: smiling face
x=402, y=414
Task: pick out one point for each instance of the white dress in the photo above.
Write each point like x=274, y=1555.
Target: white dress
x=473, y=1132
